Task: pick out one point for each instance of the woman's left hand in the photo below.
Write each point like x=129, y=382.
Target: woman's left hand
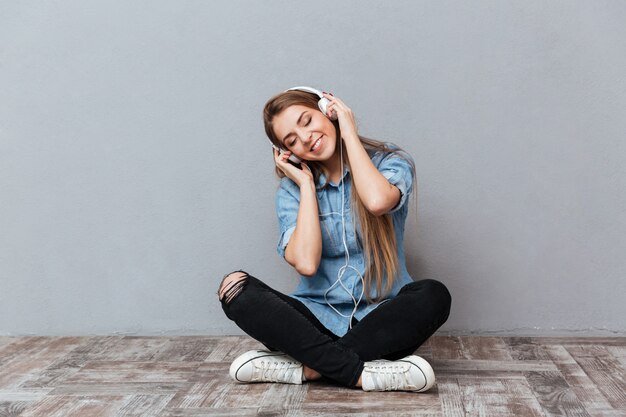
x=347, y=122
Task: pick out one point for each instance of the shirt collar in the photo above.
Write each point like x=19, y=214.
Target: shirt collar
x=323, y=180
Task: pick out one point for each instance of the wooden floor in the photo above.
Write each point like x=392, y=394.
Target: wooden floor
x=188, y=376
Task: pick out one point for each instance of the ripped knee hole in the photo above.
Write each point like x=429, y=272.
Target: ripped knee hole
x=232, y=284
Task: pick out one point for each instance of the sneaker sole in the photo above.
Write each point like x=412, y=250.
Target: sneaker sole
x=425, y=369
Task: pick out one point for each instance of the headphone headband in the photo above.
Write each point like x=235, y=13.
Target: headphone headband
x=323, y=101
x=308, y=89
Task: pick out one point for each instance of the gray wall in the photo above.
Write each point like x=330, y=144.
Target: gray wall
x=134, y=171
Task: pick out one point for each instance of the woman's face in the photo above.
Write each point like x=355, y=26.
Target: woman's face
x=299, y=128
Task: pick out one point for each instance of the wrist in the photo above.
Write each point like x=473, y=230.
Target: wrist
x=307, y=184
x=351, y=140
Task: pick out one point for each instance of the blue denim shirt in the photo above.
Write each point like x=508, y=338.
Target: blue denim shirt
x=311, y=290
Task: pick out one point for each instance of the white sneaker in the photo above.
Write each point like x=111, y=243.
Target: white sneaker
x=412, y=373
x=266, y=366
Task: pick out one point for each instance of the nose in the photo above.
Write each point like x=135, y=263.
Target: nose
x=307, y=137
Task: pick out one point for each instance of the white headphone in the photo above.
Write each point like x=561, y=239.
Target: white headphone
x=323, y=101
x=322, y=104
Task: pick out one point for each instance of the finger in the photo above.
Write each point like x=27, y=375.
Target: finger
x=332, y=98
x=279, y=158
x=336, y=105
x=330, y=109
x=285, y=160
x=340, y=104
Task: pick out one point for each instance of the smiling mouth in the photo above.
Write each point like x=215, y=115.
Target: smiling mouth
x=317, y=144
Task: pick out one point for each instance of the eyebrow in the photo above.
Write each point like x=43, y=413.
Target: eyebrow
x=298, y=122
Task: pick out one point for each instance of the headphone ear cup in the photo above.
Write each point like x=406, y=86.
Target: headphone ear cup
x=323, y=105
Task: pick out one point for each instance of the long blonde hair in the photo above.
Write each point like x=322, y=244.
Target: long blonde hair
x=376, y=235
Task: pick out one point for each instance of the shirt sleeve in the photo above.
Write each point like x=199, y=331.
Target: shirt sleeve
x=397, y=169
x=287, y=205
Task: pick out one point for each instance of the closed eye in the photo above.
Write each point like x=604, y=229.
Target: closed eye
x=293, y=142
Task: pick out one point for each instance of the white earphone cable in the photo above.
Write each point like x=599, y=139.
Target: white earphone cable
x=342, y=270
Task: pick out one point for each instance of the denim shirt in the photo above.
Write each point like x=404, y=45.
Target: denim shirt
x=311, y=290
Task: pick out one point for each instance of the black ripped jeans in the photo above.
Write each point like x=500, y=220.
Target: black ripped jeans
x=392, y=331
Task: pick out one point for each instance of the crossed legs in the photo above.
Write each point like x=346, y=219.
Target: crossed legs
x=393, y=330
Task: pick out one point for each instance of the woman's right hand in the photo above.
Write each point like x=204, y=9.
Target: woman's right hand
x=299, y=176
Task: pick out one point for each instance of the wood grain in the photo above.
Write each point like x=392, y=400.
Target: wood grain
x=188, y=376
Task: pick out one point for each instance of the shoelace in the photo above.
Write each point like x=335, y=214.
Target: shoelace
x=390, y=376
x=274, y=371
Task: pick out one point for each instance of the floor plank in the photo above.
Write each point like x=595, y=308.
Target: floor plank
x=188, y=376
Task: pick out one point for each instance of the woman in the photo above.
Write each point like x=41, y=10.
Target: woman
x=357, y=316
